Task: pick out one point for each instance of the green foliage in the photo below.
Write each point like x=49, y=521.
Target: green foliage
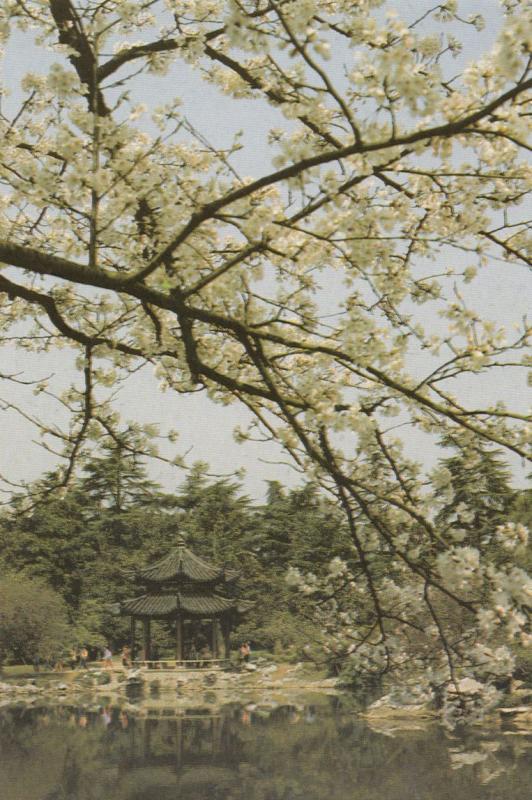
x=284, y=632
x=53, y=542
x=87, y=544
x=33, y=620
x=478, y=495
x=117, y=479
x=215, y=517
x=297, y=528
x=521, y=512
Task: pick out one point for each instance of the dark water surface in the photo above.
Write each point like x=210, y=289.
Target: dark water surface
x=316, y=750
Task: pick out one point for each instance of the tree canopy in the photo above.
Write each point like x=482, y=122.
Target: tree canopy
x=394, y=169
x=33, y=621
x=87, y=551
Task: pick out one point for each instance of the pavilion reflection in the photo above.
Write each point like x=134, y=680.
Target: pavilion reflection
x=195, y=755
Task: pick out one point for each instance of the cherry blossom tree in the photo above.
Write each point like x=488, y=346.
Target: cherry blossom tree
x=397, y=172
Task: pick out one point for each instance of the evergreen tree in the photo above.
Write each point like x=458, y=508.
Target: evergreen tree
x=521, y=512
x=85, y=547
x=51, y=541
x=477, y=496
x=117, y=479
x=318, y=530
x=272, y=535
x=215, y=516
x=298, y=528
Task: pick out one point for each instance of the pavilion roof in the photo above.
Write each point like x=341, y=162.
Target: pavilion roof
x=182, y=563
x=164, y=605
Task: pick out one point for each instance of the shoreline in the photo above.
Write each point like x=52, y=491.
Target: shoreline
x=152, y=692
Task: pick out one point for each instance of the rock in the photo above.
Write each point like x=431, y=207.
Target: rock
x=327, y=683
x=389, y=706
x=27, y=689
x=250, y=667
x=267, y=707
x=520, y=716
x=396, y=724
x=511, y=712
x=419, y=709
x=460, y=759
x=262, y=713
x=467, y=686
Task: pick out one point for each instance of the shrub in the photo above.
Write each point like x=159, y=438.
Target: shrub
x=33, y=621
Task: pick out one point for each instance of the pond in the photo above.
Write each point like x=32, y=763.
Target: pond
x=313, y=750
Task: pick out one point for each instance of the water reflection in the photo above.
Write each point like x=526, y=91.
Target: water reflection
x=258, y=751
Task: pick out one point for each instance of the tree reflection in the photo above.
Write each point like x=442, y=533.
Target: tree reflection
x=69, y=785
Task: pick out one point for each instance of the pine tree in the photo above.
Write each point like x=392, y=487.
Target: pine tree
x=478, y=495
x=118, y=479
x=51, y=541
x=215, y=516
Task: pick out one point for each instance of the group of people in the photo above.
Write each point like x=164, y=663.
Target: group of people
x=78, y=658
x=198, y=652
x=74, y=659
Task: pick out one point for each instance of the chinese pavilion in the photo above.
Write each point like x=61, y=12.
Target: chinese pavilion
x=184, y=589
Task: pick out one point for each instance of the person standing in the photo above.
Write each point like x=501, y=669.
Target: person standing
x=245, y=652
x=126, y=657
x=83, y=657
x=107, y=656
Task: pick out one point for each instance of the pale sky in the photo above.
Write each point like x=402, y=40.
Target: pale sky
x=207, y=429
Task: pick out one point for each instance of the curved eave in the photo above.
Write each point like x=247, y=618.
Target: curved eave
x=193, y=605
x=243, y=606
x=178, y=564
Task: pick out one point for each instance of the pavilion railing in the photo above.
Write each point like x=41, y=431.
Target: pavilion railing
x=184, y=663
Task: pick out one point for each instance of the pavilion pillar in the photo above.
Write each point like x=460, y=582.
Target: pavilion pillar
x=147, y=640
x=179, y=638
x=214, y=638
x=226, y=632
x=132, y=637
